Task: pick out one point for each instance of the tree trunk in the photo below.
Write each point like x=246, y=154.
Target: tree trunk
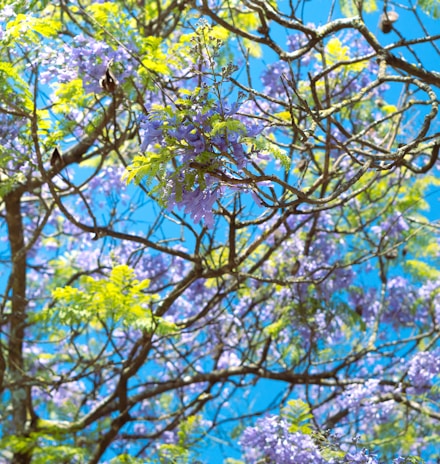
x=17, y=321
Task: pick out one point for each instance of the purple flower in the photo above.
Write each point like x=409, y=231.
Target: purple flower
x=228, y=359
x=181, y=132
x=355, y=394
x=271, y=440
x=360, y=457
x=196, y=141
x=400, y=300
x=228, y=109
x=272, y=78
x=85, y=58
x=198, y=203
x=393, y=226
x=422, y=369
x=429, y=300
x=150, y=130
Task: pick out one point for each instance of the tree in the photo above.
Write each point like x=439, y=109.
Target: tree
x=201, y=196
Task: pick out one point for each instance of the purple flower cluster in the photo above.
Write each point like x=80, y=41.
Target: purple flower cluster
x=423, y=368
x=360, y=457
x=398, y=308
x=86, y=58
x=270, y=441
x=392, y=227
x=205, y=143
x=360, y=398
x=274, y=78
x=400, y=302
x=198, y=203
x=355, y=394
x=429, y=301
x=13, y=139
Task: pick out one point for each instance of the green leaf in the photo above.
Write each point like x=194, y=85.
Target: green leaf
x=147, y=166
x=349, y=7
x=332, y=455
x=276, y=327
x=183, y=451
x=297, y=412
x=101, y=12
x=422, y=270
x=27, y=26
x=430, y=7
x=120, y=298
x=230, y=124
x=7, y=181
x=126, y=459
x=17, y=444
x=67, y=93
x=11, y=83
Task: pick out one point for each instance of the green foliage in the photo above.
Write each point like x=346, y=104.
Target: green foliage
x=120, y=298
x=68, y=93
x=277, y=326
x=421, y=270
x=45, y=448
x=110, y=19
x=392, y=438
x=413, y=195
x=430, y=7
x=227, y=125
x=337, y=54
x=143, y=166
x=298, y=414
x=16, y=444
x=267, y=147
x=7, y=183
x=126, y=459
x=31, y=27
x=13, y=86
x=182, y=452
x=330, y=454
x=54, y=454
x=351, y=7
x=329, y=450
x=102, y=12
x=156, y=59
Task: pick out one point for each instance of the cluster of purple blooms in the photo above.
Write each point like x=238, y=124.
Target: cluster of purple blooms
x=277, y=76
x=204, y=154
x=85, y=58
x=424, y=367
x=270, y=440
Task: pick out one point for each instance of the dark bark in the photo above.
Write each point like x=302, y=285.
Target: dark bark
x=17, y=322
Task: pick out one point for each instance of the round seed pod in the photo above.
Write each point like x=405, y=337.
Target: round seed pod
x=386, y=21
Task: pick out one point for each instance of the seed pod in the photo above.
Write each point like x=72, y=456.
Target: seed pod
x=98, y=234
x=392, y=254
x=387, y=18
x=108, y=81
x=295, y=267
x=302, y=165
x=55, y=158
